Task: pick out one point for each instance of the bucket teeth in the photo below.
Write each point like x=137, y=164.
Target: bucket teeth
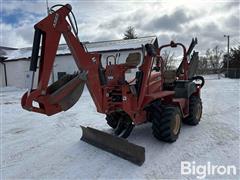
x=115, y=145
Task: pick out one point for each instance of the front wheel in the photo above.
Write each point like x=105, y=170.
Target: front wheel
x=166, y=125
x=195, y=111
x=113, y=119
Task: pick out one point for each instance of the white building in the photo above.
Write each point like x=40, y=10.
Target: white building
x=14, y=63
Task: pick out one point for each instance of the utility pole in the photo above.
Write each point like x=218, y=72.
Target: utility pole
x=228, y=42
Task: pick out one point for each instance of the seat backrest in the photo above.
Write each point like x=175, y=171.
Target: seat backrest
x=133, y=59
x=169, y=76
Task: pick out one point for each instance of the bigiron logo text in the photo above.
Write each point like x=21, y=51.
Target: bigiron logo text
x=203, y=170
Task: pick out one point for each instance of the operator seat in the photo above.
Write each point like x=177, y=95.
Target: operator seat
x=169, y=77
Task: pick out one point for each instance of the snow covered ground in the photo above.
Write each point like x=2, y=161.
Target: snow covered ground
x=41, y=147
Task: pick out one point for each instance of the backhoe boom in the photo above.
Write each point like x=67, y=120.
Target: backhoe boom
x=47, y=34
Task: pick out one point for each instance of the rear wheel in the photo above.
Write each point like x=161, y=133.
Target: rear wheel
x=195, y=111
x=166, y=125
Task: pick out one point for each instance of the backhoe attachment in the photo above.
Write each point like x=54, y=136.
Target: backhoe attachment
x=64, y=93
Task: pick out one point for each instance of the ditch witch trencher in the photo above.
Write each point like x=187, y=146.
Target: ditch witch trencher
x=162, y=97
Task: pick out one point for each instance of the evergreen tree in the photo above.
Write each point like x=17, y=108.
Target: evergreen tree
x=233, y=57
x=130, y=33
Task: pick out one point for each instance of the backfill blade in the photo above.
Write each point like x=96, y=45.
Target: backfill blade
x=115, y=145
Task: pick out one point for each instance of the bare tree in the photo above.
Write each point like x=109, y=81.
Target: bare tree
x=211, y=62
x=202, y=65
x=215, y=58
x=130, y=33
x=167, y=59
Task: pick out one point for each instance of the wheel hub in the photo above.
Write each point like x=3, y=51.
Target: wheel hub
x=177, y=123
x=124, y=127
x=199, y=111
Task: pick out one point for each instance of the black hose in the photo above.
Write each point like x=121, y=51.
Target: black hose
x=74, y=18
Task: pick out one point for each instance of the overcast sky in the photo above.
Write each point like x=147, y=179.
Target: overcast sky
x=107, y=20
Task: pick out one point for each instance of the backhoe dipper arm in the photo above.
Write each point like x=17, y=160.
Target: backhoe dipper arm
x=64, y=93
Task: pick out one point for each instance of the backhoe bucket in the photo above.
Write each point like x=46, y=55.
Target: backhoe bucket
x=59, y=89
x=59, y=96
x=115, y=145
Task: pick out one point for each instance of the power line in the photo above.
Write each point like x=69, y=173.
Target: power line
x=238, y=41
x=235, y=41
x=234, y=44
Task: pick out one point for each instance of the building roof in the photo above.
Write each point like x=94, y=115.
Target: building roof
x=103, y=46
x=4, y=49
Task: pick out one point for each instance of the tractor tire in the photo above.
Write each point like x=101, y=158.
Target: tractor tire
x=166, y=125
x=112, y=120
x=195, y=111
